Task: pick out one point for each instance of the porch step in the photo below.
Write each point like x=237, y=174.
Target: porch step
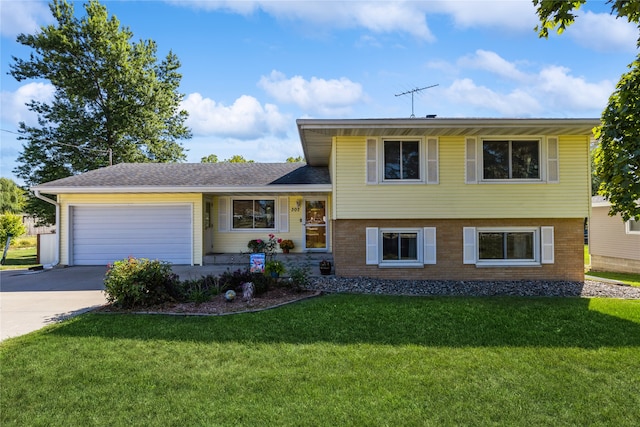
x=241, y=260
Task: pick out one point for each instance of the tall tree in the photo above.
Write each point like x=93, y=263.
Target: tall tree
x=617, y=159
x=12, y=198
x=237, y=158
x=211, y=158
x=112, y=97
x=295, y=159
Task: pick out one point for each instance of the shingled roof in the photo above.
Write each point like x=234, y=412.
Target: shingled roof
x=191, y=177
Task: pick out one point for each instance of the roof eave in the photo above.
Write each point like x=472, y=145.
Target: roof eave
x=273, y=188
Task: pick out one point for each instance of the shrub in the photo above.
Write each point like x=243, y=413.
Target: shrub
x=234, y=281
x=139, y=282
x=200, y=290
x=10, y=224
x=299, y=277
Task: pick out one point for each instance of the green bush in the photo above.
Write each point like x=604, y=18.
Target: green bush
x=200, y=290
x=299, y=277
x=139, y=282
x=234, y=280
x=10, y=224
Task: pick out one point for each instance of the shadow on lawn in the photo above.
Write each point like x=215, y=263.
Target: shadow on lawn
x=368, y=319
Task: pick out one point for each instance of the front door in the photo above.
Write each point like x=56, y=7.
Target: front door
x=315, y=224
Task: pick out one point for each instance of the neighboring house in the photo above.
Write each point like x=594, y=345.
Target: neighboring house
x=614, y=244
x=463, y=199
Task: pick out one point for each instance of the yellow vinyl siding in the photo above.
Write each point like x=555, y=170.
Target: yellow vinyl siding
x=235, y=241
x=452, y=197
x=67, y=200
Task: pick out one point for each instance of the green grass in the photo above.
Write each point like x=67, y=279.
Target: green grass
x=627, y=278
x=335, y=360
x=22, y=254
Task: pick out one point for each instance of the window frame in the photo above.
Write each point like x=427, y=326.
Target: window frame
x=428, y=158
x=418, y=262
x=510, y=140
x=536, y=241
x=275, y=214
x=629, y=230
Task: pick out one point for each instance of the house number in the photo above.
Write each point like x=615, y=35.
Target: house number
x=295, y=209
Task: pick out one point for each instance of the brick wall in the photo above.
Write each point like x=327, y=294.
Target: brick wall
x=349, y=251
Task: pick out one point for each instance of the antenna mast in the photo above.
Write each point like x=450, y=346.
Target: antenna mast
x=412, y=92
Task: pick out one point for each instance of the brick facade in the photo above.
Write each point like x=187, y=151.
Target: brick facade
x=349, y=249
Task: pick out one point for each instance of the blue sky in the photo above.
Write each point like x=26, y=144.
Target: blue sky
x=251, y=68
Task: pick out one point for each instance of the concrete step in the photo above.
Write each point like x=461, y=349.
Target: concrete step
x=236, y=261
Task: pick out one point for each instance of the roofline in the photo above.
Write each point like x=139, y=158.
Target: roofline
x=438, y=122
x=273, y=188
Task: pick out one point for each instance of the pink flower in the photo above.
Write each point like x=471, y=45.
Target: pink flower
x=279, y=241
x=259, y=241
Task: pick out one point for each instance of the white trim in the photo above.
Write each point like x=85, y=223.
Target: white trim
x=429, y=245
x=546, y=245
x=223, y=214
x=471, y=160
x=480, y=160
x=535, y=261
x=372, y=161
x=432, y=169
x=371, y=252
x=553, y=160
x=421, y=160
x=300, y=188
x=275, y=214
x=283, y=214
x=627, y=227
x=469, y=250
x=418, y=262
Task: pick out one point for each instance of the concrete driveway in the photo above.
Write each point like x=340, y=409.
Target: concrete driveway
x=30, y=300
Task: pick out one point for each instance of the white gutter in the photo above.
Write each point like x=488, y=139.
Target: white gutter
x=296, y=188
x=57, y=205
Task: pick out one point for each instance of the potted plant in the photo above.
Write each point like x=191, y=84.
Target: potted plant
x=286, y=245
x=256, y=245
x=274, y=268
x=325, y=267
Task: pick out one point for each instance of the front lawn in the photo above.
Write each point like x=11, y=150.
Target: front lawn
x=626, y=278
x=336, y=360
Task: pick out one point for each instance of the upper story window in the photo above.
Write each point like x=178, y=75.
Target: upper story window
x=397, y=160
x=511, y=159
x=401, y=160
x=517, y=160
x=250, y=214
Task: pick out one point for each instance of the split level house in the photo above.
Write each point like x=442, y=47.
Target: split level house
x=432, y=198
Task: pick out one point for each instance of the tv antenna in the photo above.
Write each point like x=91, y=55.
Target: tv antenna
x=412, y=92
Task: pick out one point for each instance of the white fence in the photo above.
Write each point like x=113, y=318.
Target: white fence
x=47, y=248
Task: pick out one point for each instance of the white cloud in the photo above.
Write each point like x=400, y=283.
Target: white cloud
x=494, y=63
x=568, y=92
x=246, y=118
x=551, y=90
x=517, y=103
x=512, y=15
x=604, y=33
x=328, y=97
x=23, y=17
x=13, y=105
x=376, y=16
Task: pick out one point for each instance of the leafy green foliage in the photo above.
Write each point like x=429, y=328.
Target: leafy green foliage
x=234, y=279
x=139, y=282
x=111, y=96
x=299, y=277
x=10, y=224
x=295, y=159
x=12, y=198
x=617, y=159
x=211, y=158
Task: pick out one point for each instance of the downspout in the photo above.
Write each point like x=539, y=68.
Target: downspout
x=57, y=205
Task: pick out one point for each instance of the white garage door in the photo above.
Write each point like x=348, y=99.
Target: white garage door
x=103, y=234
